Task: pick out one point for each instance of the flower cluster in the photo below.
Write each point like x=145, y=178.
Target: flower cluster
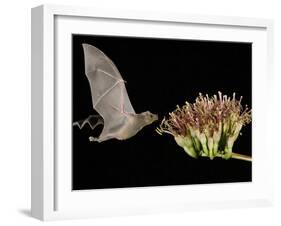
x=208, y=127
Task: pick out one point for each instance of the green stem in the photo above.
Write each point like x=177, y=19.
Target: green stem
x=234, y=156
x=241, y=157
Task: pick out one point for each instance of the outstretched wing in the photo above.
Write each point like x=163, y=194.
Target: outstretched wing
x=109, y=95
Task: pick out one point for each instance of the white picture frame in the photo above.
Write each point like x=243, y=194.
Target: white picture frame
x=52, y=197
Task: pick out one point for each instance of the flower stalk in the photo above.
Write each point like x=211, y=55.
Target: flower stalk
x=209, y=127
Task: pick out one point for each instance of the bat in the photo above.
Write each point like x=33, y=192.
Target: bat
x=110, y=99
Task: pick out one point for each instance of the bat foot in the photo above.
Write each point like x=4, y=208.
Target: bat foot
x=94, y=139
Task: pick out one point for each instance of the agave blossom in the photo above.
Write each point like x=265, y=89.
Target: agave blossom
x=209, y=127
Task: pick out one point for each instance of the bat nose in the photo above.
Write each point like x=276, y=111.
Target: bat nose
x=155, y=116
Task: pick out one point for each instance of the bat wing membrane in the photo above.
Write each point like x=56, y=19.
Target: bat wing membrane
x=109, y=95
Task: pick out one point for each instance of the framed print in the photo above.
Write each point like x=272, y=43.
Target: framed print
x=136, y=112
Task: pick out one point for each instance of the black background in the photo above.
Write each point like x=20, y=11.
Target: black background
x=160, y=73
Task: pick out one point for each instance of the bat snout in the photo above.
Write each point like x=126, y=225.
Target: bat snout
x=150, y=117
x=154, y=117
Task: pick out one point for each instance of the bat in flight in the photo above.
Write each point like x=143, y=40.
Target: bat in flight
x=110, y=99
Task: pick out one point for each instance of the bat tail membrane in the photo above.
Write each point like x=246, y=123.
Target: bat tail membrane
x=93, y=121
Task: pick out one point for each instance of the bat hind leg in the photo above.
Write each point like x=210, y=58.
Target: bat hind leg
x=101, y=139
x=93, y=139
